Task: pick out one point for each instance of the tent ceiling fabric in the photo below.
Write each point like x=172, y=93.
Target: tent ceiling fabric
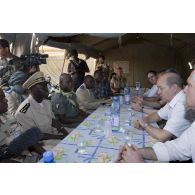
x=94, y=43
x=101, y=42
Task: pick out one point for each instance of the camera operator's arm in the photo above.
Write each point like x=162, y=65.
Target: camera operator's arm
x=70, y=69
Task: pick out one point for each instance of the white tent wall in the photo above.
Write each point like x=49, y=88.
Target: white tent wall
x=55, y=63
x=144, y=57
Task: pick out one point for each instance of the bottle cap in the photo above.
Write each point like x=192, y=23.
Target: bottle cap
x=48, y=157
x=116, y=98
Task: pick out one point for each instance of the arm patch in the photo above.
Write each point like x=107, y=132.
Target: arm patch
x=25, y=108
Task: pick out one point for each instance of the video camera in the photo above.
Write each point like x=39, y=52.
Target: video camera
x=34, y=59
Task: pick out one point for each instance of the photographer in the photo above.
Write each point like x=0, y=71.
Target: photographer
x=14, y=92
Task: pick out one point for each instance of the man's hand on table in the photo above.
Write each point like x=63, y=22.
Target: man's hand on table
x=129, y=154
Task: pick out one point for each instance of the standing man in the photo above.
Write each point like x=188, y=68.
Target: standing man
x=77, y=68
x=8, y=62
x=182, y=148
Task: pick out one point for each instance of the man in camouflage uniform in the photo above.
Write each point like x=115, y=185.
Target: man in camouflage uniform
x=8, y=62
x=102, y=85
x=105, y=68
x=64, y=103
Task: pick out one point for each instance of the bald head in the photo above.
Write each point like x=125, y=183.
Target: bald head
x=190, y=90
x=66, y=83
x=89, y=81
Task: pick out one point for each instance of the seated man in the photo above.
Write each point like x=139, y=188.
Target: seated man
x=152, y=101
x=64, y=103
x=114, y=83
x=102, y=85
x=12, y=141
x=153, y=92
x=36, y=110
x=182, y=148
x=118, y=81
x=170, y=90
x=51, y=87
x=87, y=102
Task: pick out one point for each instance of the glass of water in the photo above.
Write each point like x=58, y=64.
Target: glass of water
x=127, y=138
x=82, y=148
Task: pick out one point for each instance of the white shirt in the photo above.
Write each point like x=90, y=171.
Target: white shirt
x=182, y=148
x=174, y=113
x=35, y=115
x=86, y=100
x=153, y=92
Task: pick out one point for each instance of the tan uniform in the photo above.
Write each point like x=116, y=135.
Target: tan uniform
x=87, y=102
x=9, y=128
x=33, y=114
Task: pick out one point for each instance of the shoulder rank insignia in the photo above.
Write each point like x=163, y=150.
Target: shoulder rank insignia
x=25, y=108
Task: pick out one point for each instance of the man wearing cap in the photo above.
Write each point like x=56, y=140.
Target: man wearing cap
x=8, y=62
x=77, y=68
x=36, y=110
x=64, y=103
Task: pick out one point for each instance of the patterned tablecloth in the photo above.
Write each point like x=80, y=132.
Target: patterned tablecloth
x=98, y=147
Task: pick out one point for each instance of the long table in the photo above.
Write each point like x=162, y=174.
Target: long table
x=88, y=143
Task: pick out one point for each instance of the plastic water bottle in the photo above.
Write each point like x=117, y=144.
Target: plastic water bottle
x=115, y=114
x=137, y=87
x=108, y=127
x=127, y=95
x=48, y=157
